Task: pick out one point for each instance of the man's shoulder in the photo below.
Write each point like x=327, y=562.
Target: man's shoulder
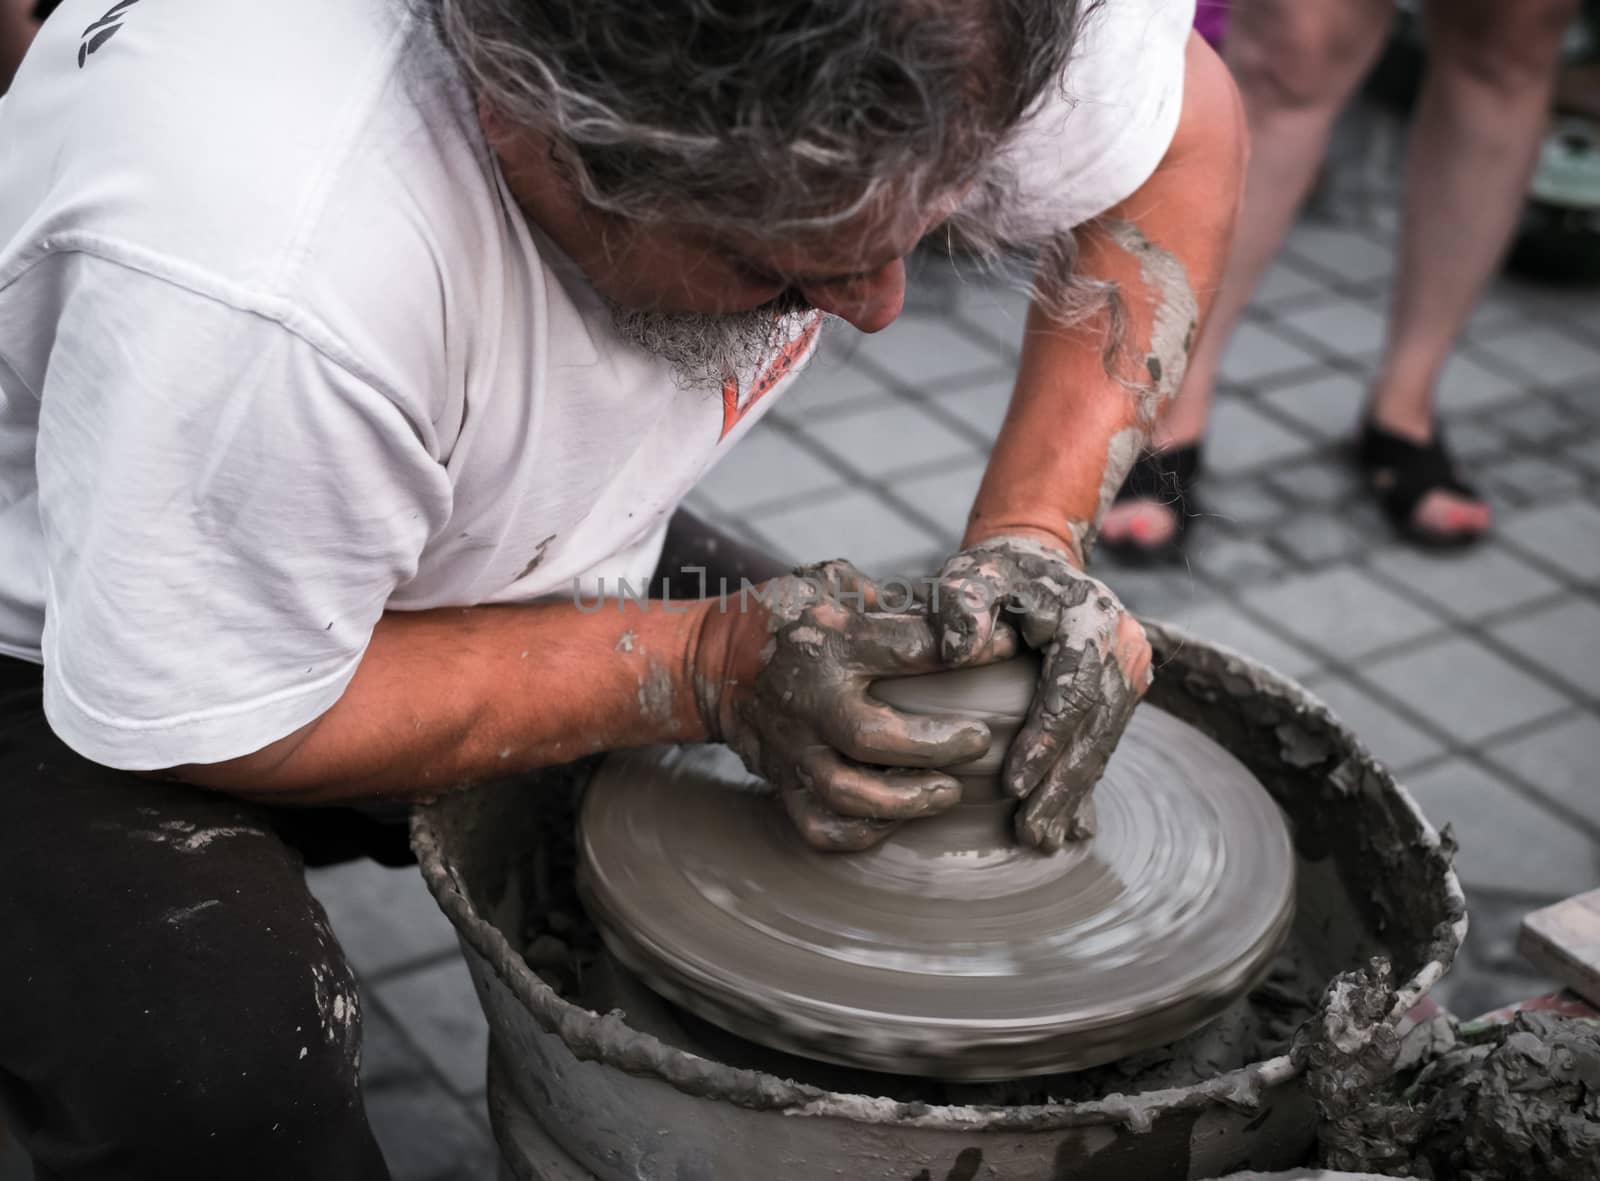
x=304, y=151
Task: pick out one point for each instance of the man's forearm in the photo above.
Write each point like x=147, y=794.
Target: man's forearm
x=451, y=696
x=1087, y=394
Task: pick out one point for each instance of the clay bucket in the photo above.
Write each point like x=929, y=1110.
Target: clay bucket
x=576, y=1096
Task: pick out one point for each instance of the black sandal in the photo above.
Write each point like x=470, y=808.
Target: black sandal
x=1168, y=478
x=1400, y=472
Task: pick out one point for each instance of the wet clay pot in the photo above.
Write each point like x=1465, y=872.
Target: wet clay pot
x=949, y=950
x=580, y=1096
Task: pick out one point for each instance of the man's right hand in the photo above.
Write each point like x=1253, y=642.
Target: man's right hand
x=783, y=679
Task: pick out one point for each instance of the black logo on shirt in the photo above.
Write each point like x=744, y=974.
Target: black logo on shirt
x=100, y=32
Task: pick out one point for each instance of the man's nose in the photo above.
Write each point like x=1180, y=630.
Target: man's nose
x=870, y=303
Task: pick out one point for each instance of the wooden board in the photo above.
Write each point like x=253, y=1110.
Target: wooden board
x=1564, y=940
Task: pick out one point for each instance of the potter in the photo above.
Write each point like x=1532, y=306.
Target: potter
x=343, y=364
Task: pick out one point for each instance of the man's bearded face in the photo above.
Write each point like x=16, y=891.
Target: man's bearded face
x=706, y=348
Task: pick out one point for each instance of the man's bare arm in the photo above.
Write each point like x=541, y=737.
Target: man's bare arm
x=1077, y=422
x=451, y=696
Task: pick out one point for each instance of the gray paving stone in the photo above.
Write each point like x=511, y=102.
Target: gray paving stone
x=889, y=439
x=386, y=1056
x=438, y=1010
x=1586, y=455
x=1464, y=688
x=1243, y=439
x=829, y=386
x=999, y=312
x=1563, y=638
x=383, y=917
x=1507, y=841
x=765, y=467
x=857, y=525
x=1583, y=404
x=1283, y=283
x=1541, y=420
x=426, y=1135
x=1343, y=612
x=1224, y=624
x=1234, y=560
x=1327, y=406
x=1547, y=356
x=1565, y=535
x=1561, y=763
x=1467, y=385
x=1495, y=313
x=1468, y=584
x=915, y=350
x=1242, y=504
x=1166, y=594
x=981, y=404
x=1344, y=253
x=1316, y=539
x=1473, y=440
x=1256, y=353
x=1344, y=326
x=1321, y=482
x=1529, y=479
x=946, y=495
x=1392, y=739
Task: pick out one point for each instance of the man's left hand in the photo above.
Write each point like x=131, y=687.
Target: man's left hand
x=1096, y=668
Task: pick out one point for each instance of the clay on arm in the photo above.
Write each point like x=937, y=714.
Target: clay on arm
x=451, y=696
x=1087, y=394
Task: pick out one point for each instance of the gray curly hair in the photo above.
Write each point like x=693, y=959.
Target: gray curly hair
x=764, y=115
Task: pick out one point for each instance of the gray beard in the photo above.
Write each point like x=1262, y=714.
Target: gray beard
x=706, y=348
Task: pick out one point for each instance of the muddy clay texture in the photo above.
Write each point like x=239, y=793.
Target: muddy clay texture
x=1085, y=696
x=806, y=722
x=1374, y=881
x=948, y=950
x=1507, y=1103
x=1175, y=317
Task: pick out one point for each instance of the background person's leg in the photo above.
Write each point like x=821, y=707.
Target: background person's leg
x=174, y=1003
x=1297, y=63
x=1473, y=143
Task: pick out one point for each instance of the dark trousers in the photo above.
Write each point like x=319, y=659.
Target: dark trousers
x=172, y=1002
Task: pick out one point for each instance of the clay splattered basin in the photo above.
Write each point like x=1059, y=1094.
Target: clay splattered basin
x=581, y=1096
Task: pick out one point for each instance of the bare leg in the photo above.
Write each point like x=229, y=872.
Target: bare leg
x=1296, y=62
x=1476, y=136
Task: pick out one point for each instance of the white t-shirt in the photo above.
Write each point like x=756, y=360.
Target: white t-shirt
x=278, y=352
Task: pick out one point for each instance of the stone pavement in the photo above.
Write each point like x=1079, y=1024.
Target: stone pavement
x=1477, y=676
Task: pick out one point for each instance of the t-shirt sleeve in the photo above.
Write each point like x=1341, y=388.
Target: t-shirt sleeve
x=226, y=512
x=1099, y=136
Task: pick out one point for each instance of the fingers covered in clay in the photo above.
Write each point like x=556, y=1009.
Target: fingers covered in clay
x=827, y=830
x=796, y=706
x=873, y=793
x=872, y=732
x=1096, y=667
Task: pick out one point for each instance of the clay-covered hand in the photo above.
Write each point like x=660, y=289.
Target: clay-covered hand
x=1096, y=668
x=782, y=679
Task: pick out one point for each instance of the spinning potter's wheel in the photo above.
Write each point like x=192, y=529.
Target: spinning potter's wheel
x=948, y=950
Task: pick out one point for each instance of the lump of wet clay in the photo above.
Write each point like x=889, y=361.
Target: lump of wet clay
x=1516, y=1102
